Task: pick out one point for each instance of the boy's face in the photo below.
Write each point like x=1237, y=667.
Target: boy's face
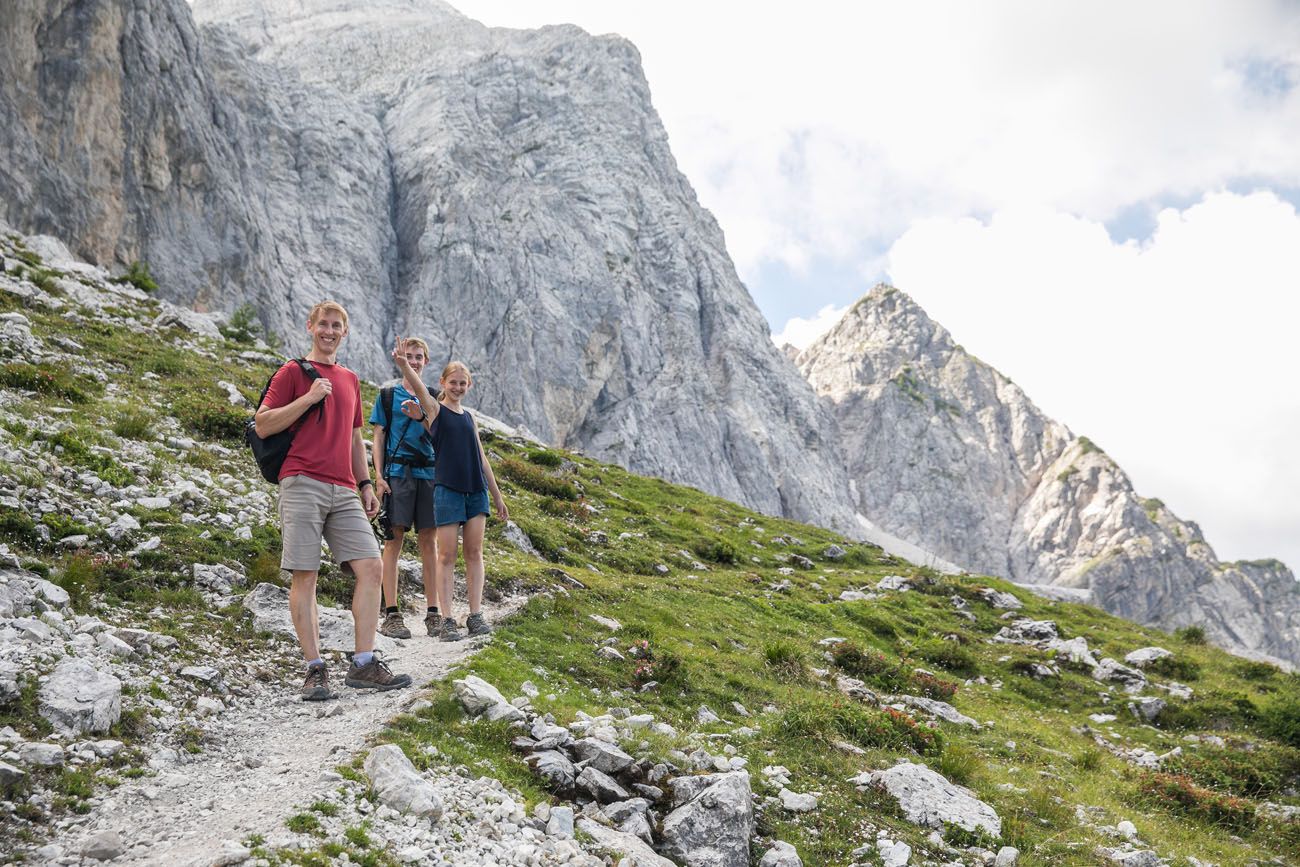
x=415, y=357
x=327, y=332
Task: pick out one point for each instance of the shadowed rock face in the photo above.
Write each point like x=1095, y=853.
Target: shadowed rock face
x=508, y=195
x=949, y=454
x=131, y=135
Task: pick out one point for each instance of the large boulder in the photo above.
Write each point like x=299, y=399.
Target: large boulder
x=927, y=799
x=476, y=695
x=269, y=607
x=602, y=756
x=399, y=785
x=713, y=828
x=78, y=698
x=557, y=772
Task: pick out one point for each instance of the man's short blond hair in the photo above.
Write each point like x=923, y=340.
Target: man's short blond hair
x=416, y=341
x=327, y=306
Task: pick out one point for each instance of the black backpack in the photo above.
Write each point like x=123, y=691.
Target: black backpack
x=271, y=451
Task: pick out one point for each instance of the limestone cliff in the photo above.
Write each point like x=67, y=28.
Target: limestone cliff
x=508, y=195
x=949, y=454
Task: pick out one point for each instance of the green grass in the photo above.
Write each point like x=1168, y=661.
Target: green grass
x=713, y=635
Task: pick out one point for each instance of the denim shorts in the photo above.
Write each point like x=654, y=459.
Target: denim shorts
x=455, y=507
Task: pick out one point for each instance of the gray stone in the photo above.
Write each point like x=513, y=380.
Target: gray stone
x=781, y=855
x=834, y=552
x=929, y=800
x=114, y=646
x=399, y=785
x=1027, y=632
x=1143, y=657
x=560, y=823
x=797, y=803
x=1108, y=669
x=476, y=695
x=513, y=534
x=601, y=786
x=217, y=577
x=557, y=772
x=600, y=755
x=10, y=776
x=1147, y=709
x=103, y=846
x=208, y=674
x=713, y=828
x=77, y=698
x=41, y=755
x=627, y=849
x=998, y=599
x=1007, y=857
x=942, y=710
x=1074, y=651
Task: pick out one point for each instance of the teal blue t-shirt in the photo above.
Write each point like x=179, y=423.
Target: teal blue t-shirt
x=406, y=440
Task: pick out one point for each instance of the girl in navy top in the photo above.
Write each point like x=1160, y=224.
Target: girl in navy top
x=462, y=479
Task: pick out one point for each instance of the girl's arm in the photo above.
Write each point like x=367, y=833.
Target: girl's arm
x=497, y=500
x=414, y=384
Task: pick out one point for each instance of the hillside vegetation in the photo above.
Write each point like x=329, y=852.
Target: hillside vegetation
x=799, y=643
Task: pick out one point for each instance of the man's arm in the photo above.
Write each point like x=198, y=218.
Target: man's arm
x=361, y=472
x=379, y=457
x=271, y=420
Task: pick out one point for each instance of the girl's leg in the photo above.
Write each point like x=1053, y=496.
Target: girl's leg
x=473, y=542
x=446, y=566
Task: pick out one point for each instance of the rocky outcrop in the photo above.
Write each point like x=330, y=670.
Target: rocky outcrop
x=951, y=455
x=132, y=136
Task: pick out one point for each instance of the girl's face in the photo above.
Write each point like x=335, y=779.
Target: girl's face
x=456, y=384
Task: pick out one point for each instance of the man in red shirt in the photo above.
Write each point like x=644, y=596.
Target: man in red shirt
x=318, y=499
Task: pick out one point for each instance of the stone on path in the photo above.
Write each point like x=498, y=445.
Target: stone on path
x=103, y=846
x=399, y=785
x=78, y=698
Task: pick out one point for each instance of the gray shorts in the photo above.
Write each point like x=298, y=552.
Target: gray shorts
x=311, y=510
x=411, y=503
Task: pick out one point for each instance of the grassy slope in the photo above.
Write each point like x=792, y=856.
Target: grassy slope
x=727, y=632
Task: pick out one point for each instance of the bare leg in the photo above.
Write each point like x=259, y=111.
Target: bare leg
x=446, y=565
x=365, y=601
x=474, y=572
x=302, y=610
x=428, y=541
x=392, y=551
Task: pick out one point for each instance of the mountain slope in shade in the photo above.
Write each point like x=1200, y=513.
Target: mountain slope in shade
x=952, y=456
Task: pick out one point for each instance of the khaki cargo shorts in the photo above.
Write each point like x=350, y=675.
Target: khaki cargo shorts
x=312, y=510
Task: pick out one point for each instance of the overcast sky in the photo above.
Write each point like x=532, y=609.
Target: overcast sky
x=1096, y=198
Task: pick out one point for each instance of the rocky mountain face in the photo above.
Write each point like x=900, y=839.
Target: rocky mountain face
x=132, y=136
x=951, y=455
x=508, y=195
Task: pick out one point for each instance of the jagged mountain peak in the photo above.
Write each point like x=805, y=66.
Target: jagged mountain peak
x=947, y=453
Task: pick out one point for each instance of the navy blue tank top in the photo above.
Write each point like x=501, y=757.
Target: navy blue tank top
x=459, y=464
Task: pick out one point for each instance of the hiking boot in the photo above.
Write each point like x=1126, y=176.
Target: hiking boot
x=375, y=674
x=450, y=631
x=476, y=625
x=393, y=626
x=317, y=687
x=433, y=624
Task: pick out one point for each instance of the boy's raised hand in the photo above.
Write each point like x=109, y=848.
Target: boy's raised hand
x=399, y=355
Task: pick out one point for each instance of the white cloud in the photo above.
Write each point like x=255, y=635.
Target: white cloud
x=800, y=332
x=1177, y=356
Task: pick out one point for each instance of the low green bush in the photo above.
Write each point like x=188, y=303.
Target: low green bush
x=1176, y=667
x=1280, y=718
x=545, y=458
x=870, y=666
x=948, y=654
x=211, y=417
x=718, y=551
x=48, y=379
x=1260, y=772
x=533, y=479
x=1191, y=635
x=785, y=660
x=138, y=276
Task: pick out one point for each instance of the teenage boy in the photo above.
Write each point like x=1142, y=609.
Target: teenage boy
x=318, y=499
x=403, y=458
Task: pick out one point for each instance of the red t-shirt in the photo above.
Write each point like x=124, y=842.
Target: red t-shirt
x=322, y=446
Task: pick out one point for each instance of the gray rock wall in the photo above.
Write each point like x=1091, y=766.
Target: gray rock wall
x=949, y=454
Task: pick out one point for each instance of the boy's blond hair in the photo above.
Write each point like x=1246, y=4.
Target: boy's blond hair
x=331, y=306
x=416, y=341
